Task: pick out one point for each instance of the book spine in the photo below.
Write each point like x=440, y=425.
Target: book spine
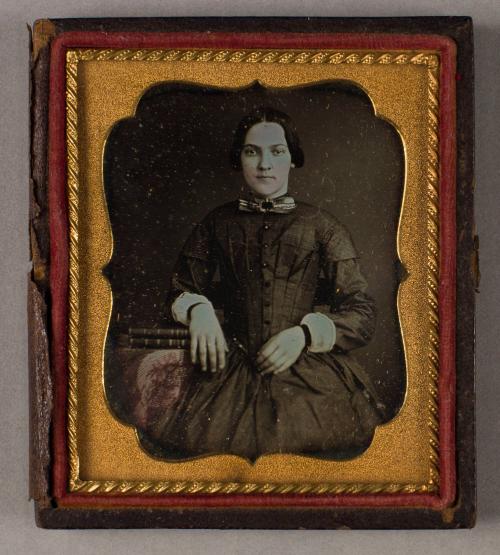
x=151, y=343
x=170, y=333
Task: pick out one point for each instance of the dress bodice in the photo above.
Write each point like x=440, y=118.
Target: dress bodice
x=270, y=265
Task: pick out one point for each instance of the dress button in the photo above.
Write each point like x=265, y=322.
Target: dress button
x=267, y=322
x=267, y=283
x=267, y=304
x=265, y=264
x=266, y=226
x=266, y=245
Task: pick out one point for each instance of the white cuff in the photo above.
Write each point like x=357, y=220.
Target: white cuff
x=323, y=332
x=181, y=305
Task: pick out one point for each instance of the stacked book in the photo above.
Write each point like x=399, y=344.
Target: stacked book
x=158, y=338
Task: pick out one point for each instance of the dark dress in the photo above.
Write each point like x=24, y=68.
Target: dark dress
x=270, y=265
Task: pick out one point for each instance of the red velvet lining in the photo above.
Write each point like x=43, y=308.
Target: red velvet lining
x=58, y=215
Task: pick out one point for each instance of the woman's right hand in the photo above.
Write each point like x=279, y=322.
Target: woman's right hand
x=208, y=344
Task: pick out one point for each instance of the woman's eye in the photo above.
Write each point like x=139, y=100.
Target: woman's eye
x=279, y=151
x=249, y=151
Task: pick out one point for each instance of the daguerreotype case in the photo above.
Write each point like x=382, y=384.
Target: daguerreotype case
x=252, y=295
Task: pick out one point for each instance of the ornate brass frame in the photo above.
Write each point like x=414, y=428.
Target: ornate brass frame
x=380, y=74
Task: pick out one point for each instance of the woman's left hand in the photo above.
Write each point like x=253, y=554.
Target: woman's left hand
x=281, y=351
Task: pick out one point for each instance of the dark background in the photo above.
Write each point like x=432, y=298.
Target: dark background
x=168, y=166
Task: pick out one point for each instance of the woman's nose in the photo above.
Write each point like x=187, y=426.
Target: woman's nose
x=265, y=162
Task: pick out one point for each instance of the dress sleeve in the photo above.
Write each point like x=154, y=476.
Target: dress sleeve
x=193, y=272
x=351, y=308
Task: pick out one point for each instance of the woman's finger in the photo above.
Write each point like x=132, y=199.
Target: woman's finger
x=221, y=351
x=212, y=353
x=284, y=366
x=202, y=351
x=267, y=361
x=274, y=361
x=194, y=348
x=267, y=350
x=282, y=361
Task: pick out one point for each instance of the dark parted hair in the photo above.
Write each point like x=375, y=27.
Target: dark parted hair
x=266, y=114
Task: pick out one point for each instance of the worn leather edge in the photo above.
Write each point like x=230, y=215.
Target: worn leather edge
x=41, y=387
x=265, y=518
x=463, y=513
x=43, y=31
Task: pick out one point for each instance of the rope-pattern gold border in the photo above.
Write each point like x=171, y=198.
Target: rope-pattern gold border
x=433, y=267
x=73, y=204
x=260, y=56
x=190, y=487
x=431, y=61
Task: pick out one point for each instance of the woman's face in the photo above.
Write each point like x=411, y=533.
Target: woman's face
x=266, y=160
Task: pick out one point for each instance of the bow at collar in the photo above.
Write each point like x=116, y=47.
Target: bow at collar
x=280, y=205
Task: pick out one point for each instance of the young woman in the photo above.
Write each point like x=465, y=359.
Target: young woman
x=277, y=375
